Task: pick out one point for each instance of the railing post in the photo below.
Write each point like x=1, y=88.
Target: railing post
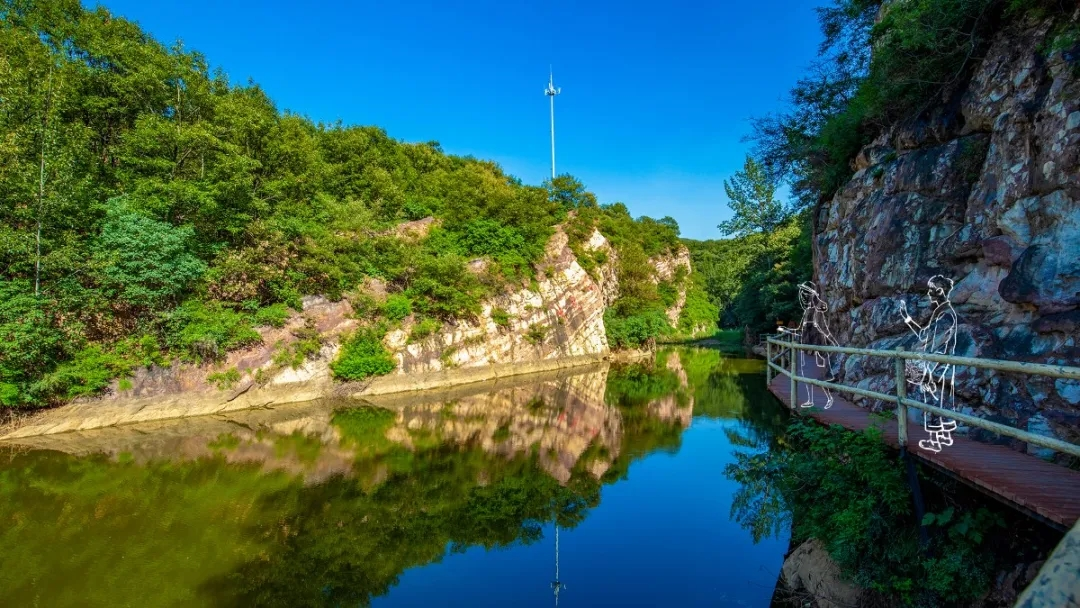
x=768, y=361
x=901, y=394
x=794, y=386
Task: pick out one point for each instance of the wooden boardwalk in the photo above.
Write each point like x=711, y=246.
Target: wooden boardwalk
x=1034, y=486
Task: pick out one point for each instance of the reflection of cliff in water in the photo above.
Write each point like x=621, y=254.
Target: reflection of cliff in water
x=334, y=499
x=556, y=418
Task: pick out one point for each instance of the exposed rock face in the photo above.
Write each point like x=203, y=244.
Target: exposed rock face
x=809, y=570
x=988, y=194
x=557, y=322
x=673, y=268
x=562, y=315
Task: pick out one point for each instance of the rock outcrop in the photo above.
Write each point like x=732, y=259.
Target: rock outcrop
x=560, y=315
x=811, y=574
x=985, y=191
x=554, y=323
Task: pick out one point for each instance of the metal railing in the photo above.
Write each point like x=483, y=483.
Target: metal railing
x=900, y=356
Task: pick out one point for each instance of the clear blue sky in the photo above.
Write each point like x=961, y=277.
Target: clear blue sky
x=656, y=96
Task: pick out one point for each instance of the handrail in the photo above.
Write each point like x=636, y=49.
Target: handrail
x=903, y=401
x=1041, y=369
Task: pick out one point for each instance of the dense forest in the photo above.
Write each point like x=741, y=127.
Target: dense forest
x=152, y=211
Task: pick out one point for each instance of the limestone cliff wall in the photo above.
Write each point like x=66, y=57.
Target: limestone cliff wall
x=556, y=322
x=985, y=191
x=560, y=315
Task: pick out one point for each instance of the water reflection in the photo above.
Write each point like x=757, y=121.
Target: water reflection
x=329, y=503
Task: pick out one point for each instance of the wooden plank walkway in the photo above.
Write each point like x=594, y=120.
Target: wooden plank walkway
x=1018, y=479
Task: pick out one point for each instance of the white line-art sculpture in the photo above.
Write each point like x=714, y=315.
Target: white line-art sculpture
x=935, y=380
x=813, y=330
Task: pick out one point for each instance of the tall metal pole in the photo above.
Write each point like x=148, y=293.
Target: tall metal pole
x=551, y=92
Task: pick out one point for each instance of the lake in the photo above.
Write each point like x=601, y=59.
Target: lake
x=609, y=480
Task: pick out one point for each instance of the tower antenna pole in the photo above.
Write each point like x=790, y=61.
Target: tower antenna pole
x=551, y=92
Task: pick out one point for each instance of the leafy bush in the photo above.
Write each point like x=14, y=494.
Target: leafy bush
x=500, y=317
x=273, y=315
x=205, y=331
x=308, y=343
x=536, y=333
x=362, y=356
x=224, y=380
x=88, y=373
x=699, y=314
x=668, y=292
x=424, y=327
x=144, y=262
x=443, y=288
x=848, y=490
x=33, y=344
x=397, y=307
x=636, y=330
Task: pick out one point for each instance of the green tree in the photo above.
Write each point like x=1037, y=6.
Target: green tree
x=569, y=193
x=144, y=262
x=752, y=198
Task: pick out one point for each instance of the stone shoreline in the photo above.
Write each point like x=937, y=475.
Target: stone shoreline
x=101, y=413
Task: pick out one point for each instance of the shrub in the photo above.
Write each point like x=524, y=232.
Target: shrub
x=424, y=328
x=500, y=317
x=274, y=315
x=536, y=333
x=88, y=373
x=362, y=356
x=32, y=344
x=224, y=380
x=848, y=490
x=307, y=344
x=443, y=288
x=397, y=307
x=668, y=292
x=635, y=330
x=144, y=262
x=205, y=331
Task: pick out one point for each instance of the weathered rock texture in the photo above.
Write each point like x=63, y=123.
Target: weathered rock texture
x=561, y=315
x=557, y=322
x=986, y=192
x=673, y=269
x=810, y=573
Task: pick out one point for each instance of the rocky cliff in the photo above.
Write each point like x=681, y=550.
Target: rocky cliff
x=985, y=191
x=556, y=322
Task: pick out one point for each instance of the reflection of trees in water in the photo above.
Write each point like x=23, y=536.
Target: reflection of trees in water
x=201, y=526
x=759, y=505
x=729, y=388
x=342, y=545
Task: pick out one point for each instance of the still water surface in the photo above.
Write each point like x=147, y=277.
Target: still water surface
x=613, y=478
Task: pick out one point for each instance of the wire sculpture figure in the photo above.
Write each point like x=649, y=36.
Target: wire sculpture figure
x=813, y=329
x=935, y=380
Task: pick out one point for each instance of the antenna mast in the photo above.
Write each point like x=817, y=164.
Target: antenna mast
x=551, y=92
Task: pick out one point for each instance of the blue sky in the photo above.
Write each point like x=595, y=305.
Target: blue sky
x=656, y=96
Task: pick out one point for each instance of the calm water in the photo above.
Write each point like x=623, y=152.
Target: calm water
x=614, y=478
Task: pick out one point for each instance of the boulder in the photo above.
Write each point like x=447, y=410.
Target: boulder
x=810, y=570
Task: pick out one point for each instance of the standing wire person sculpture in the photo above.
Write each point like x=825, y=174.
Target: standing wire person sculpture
x=813, y=330
x=935, y=380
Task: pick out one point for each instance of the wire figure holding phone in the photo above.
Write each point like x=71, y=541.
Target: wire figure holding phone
x=813, y=329
x=935, y=380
